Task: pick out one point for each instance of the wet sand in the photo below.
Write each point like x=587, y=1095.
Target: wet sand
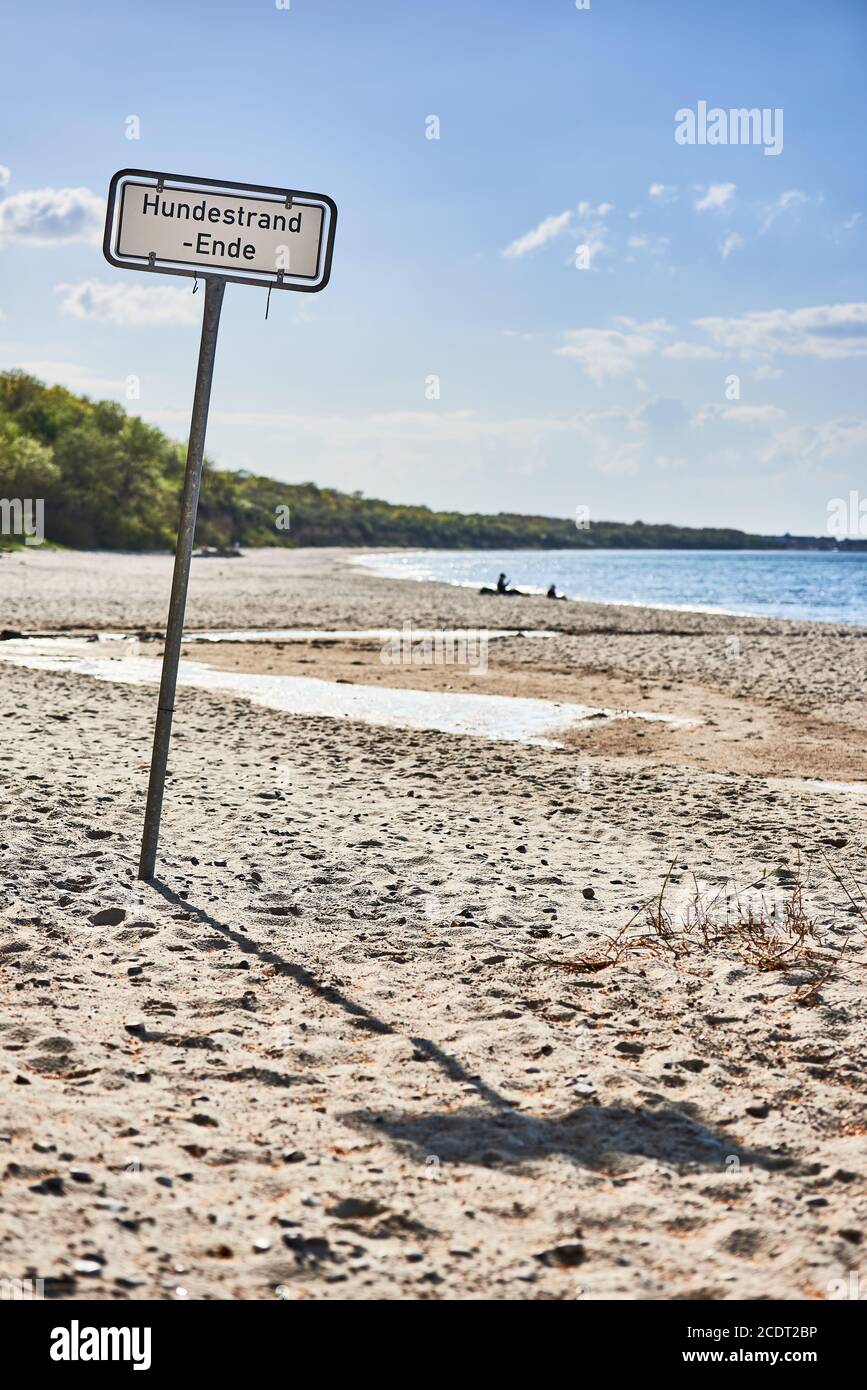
x=366, y=1036
x=724, y=729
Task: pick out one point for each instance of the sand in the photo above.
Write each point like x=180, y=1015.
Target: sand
x=365, y=1036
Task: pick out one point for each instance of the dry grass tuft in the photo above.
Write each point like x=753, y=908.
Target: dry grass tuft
x=766, y=925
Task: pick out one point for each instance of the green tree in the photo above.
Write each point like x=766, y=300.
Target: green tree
x=27, y=468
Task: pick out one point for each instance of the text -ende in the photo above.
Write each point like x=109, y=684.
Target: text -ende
x=233, y=249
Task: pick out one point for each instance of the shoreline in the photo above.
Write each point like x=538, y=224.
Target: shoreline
x=73, y=582
x=537, y=591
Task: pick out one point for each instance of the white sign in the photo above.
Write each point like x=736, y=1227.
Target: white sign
x=190, y=226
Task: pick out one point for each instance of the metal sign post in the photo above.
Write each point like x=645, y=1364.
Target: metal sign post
x=214, y=290
x=254, y=235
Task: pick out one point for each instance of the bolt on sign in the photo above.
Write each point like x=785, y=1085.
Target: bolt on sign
x=218, y=232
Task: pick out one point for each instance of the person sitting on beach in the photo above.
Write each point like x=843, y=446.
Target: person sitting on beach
x=502, y=588
x=552, y=593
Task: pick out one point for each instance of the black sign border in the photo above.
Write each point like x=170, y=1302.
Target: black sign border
x=278, y=281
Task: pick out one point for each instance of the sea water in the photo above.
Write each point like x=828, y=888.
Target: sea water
x=824, y=586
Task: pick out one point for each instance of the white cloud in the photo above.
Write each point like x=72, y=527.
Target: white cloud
x=825, y=331
x=732, y=242
x=547, y=229
x=592, y=231
x=612, y=352
x=52, y=217
x=754, y=416
x=793, y=199
x=691, y=352
x=651, y=326
x=802, y=446
x=5, y=175
x=663, y=192
x=129, y=304
x=748, y=416
x=719, y=195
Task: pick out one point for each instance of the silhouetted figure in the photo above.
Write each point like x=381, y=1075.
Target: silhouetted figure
x=502, y=588
x=552, y=593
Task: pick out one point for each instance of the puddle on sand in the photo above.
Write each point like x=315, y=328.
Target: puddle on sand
x=808, y=784
x=496, y=717
x=361, y=634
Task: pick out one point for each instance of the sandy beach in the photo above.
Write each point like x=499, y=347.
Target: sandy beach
x=404, y=1015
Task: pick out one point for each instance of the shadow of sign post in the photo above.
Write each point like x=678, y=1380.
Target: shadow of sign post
x=218, y=232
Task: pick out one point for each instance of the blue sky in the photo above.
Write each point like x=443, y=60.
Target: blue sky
x=606, y=386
